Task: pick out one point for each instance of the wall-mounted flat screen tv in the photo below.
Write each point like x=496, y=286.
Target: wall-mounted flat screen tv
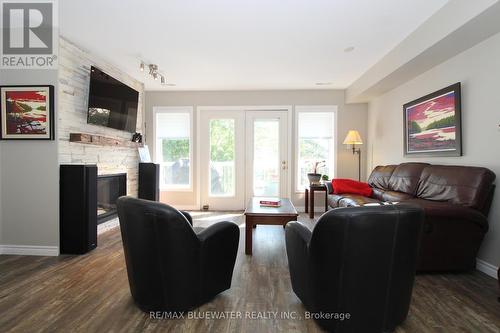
x=111, y=102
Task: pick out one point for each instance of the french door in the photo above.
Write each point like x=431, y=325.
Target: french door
x=244, y=154
x=222, y=153
x=266, y=151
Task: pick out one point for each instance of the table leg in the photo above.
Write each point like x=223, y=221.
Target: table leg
x=248, y=234
x=306, y=195
x=326, y=200
x=311, y=203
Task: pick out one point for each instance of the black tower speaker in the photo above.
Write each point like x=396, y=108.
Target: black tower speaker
x=78, y=208
x=149, y=181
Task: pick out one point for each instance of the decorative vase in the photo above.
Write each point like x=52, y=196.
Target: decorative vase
x=314, y=178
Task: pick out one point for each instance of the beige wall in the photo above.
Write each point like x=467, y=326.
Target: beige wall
x=351, y=116
x=30, y=181
x=478, y=69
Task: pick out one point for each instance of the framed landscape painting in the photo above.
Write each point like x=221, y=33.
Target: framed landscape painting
x=432, y=124
x=27, y=112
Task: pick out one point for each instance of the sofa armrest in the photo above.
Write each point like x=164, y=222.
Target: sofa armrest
x=187, y=216
x=461, y=213
x=436, y=210
x=329, y=187
x=301, y=230
x=298, y=237
x=218, y=249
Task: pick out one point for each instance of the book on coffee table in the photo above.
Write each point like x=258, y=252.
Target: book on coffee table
x=270, y=202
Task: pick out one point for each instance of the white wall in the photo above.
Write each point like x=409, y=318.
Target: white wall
x=478, y=69
x=30, y=181
x=352, y=116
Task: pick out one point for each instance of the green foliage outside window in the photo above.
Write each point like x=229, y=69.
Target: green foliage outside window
x=310, y=149
x=175, y=149
x=222, y=140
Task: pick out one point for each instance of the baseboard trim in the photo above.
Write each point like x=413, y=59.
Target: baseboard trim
x=29, y=250
x=487, y=268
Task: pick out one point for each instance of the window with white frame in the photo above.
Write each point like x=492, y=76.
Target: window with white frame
x=173, y=147
x=315, y=143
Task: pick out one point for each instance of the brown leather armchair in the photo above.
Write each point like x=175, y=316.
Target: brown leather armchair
x=456, y=201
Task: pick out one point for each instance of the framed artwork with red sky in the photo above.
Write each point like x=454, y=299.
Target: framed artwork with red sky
x=432, y=124
x=27, y=112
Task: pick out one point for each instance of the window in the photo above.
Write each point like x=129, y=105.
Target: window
x=315, y=143
x=173, y=148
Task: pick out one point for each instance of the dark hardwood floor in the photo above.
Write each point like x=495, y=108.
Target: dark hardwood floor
x=90, y=293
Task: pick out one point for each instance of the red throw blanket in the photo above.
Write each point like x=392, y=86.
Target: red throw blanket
x=341, y=186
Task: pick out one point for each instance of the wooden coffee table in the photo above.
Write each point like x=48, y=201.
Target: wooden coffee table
x=256, y=214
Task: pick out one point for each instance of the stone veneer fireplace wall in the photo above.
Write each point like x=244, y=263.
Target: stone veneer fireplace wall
x=74, y=70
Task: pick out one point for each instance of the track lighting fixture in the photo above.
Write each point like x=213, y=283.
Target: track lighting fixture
x=154, y=71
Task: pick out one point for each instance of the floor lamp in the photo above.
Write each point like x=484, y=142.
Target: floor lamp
x=353, y=138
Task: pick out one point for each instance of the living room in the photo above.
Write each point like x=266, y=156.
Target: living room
x=367, y=123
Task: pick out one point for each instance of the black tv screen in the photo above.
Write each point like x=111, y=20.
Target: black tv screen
x=111, y=102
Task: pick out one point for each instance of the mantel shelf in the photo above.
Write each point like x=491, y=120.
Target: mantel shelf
x=98, y=140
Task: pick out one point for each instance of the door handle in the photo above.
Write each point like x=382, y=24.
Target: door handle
x=283, y=165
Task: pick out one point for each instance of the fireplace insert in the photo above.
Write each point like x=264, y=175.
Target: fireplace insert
x=109, y=189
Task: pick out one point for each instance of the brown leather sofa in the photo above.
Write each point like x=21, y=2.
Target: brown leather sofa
x=456, y=201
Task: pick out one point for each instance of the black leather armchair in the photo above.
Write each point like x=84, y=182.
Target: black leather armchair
x=170, y=266
x=359, y=261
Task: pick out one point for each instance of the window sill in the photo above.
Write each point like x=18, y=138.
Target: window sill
x=176, y=189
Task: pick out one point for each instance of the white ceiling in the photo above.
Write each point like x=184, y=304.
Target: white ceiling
x=244, y=44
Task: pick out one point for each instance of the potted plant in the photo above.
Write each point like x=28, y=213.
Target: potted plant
x=325, y=178
x=314, y=176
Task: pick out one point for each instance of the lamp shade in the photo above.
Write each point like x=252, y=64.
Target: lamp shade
x=353, y=138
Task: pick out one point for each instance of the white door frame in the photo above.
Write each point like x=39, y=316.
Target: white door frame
x=287, y=108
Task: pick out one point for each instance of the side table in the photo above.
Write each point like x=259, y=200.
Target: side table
x=309, y=197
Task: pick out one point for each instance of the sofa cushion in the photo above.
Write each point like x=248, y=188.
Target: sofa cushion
x=459, y=185
x=405, y=177
x=378, y=194
x=333, y=200
x=396, y=196
x=353, y=200
x=379, y=178
x=349, y=200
